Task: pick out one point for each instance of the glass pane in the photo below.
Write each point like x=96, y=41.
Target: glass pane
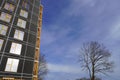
x=1, y=43
x=15, y=65
x=5, y=17
x=19, y=34
x=9, y=7
x=16, y=48
x=3, y=29
x=21, y=23
x=12, y=65
x=8, y=67
x=24, y=13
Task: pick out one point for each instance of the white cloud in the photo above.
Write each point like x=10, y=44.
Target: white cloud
x=61, y=68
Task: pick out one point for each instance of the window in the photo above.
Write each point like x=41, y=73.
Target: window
x=16, y=48
x=24, y=13
x=5, y=17
x=1, y=43
x=3, y=29
x=9, y=7
x=12, y=65
x=19, y=34
x=21, y=23
x=25, y=5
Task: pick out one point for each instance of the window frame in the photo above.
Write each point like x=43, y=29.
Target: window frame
x=3, y=29
x=16, y=48
x=9, y=7
x=19, y=34
x=23, y=13
x=5, y=17
x=12, y=65
x=21, y=23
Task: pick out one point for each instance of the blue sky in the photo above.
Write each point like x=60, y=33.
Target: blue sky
x=67, y=24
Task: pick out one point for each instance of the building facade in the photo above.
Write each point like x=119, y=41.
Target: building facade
x=20, y=26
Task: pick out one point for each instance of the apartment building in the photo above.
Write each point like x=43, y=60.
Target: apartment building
x=20, y=26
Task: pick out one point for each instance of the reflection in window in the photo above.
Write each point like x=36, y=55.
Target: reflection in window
x=9, y=7
x=5, y=17
x=21, y=23
x=19, y=34
x=3, y=29
x=12, y=65
x=25, y=5
x=16, y=48
x=24, y=13
x=1, y=43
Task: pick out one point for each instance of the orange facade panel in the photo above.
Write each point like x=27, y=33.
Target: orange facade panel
x=37, y=50
x=6, y=78
x=37, y=54
x=39, y=31
x=35, y=71
x=38, y=42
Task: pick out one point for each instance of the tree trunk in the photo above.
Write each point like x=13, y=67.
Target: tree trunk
x=93, y=78
x=93, y=73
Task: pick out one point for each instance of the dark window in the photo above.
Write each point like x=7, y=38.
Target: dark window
x=3, y=64
x=37, y=3
x=30, y=51
x=36, y=10
x=29, y=69
x=34, y=19
x=32, y=39
x=33, y=28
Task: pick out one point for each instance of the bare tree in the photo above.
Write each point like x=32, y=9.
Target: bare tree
x=42, y=67
x=94, y=58
x=84, y=78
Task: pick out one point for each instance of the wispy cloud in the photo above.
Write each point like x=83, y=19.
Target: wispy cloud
x=64, y=72
x=77, y=22
x=73, y=69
